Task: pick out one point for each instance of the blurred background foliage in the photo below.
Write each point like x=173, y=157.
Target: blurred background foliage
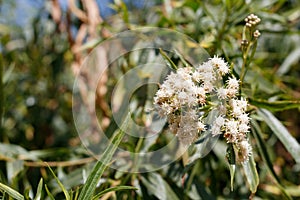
x=43, y=44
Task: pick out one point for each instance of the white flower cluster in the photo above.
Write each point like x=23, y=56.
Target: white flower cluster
x=234, y=123
x=183, y=95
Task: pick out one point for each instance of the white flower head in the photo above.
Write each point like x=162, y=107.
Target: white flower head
x=243, y=128
x=244, y=118
x=244, y=151
x=217, y=126
x=231, y=92
x=232, y=83
x=222, y=93
x=220, y=121
x=200, y=126
x=220, y=65
x=205, y=67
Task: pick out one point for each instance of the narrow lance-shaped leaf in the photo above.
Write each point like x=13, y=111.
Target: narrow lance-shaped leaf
x=282, y=133
x=93, y=179
x=157, y=186
x=11, y=192
x=60, y=185
x=275, y=105
x=169, y=61
x=117, y=188
x=39, y=190
x=49, y=193
x=257, y=133
x=230, y=155
x=251, y=174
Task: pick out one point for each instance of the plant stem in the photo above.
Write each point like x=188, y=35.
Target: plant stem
x=245, y=64
x=93, y=179
x=221, y=32
x=1, y=92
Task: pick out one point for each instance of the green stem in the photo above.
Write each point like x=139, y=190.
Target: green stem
x=1, y=92
x=222, y=31
x=94, y=177
x=136, y=162
x=137, y=150
x=192, y=175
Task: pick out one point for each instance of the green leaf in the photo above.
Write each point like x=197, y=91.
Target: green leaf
x=292, y=58
x=89, y=45
x=232, y=173
x=183, y=60
x=117, y=188
x=93, y=179
x=60, y=184
x=257, y=133
x=275, y=105
x=8, y=73
x=26, y=194
x=49, y=193
x=12, y=151
x=14, y=168
x=251, y=174
x=170, y=63
x=39, y=190
x=11, y=192
x=158, y=187
x=230, y=154
x=282, y=133
x=205, y=143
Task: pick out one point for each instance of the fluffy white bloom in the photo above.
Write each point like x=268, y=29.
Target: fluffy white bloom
x=166, y=109
x=216, y=130
x=220, y=65
x=200, y=126
x=243, y=128
x=222, y=93
x=197, y=76
x=244, y=118
x=220, y=121
x=205, y=67
x=232, y=126
x=217, y=125
x=242, y=104
x=208, y=86
x=237, y=111
x=183, y=94
x=238, y=106
x=222, y=109
x=182, y=97
x=244, y=151
x=231, y=92
x=189, y=128
x=232, y=83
